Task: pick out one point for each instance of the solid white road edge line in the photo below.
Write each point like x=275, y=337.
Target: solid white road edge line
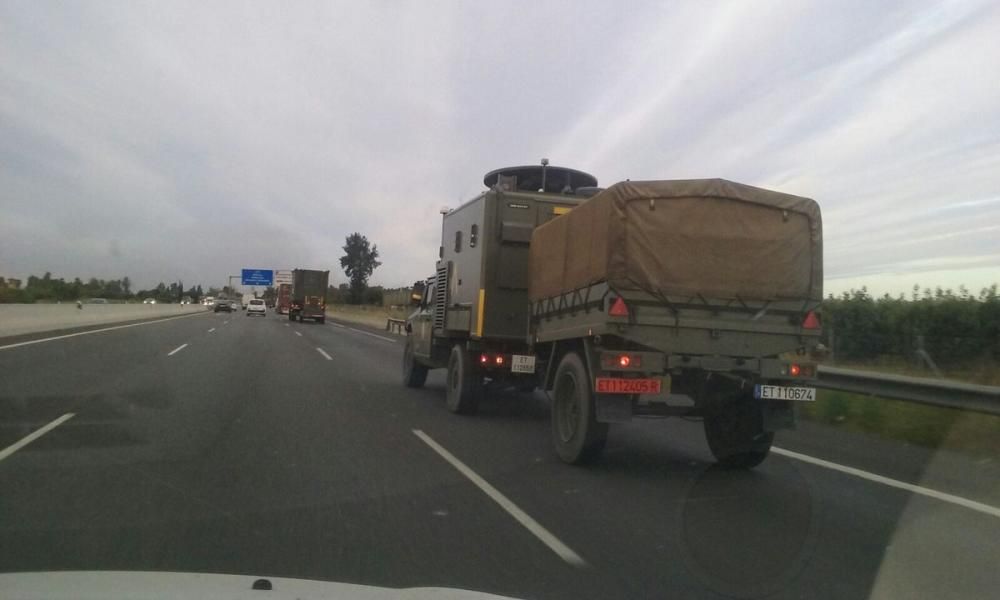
x=512, y=509
x=177, y=349
x=103, y=329
x=381, y=337
x=335, y=324
x=916, y=489
x=34, y=435
x=325, y=355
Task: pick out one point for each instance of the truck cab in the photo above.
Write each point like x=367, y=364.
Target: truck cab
x=472, y=314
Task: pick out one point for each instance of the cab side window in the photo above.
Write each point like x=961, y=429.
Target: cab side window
x=458, y=241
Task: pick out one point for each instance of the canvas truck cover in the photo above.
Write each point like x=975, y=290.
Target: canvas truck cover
x=708, y=237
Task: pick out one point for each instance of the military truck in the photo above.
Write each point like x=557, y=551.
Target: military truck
x=308, y=298
x=687, y=298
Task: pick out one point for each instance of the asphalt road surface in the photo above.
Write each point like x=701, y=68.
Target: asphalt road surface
x=222, y=443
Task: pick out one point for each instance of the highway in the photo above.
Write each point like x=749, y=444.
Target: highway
x=221, y=443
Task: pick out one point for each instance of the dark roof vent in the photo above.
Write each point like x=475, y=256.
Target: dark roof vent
x=588, y=191
x=554, y=180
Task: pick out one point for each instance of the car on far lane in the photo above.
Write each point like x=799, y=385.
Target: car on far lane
x=149, y=301
x=223, y=305
x=256, y=307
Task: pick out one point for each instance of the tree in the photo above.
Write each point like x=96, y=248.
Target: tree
x=359, y=261
x=127, y=285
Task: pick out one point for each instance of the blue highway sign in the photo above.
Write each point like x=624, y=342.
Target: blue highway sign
x=258, y=277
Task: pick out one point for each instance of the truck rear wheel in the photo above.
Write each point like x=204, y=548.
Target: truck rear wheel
x=465, y=384
x=414, y=375
x=576, y=434
x=736, y=436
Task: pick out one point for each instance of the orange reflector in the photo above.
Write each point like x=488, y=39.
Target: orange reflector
x=811, y=321
x=499, y=359
x=794, y=370
x=618, y=308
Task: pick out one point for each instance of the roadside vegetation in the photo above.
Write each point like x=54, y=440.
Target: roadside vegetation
x=49, y=289
x=931, y=333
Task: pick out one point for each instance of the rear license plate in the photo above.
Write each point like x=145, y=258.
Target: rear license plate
x=777, y=392
x=520, y=363
x=615, y=385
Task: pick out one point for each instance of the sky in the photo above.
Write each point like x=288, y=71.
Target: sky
x=184, y=141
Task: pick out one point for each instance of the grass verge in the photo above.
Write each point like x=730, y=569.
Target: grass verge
x=929, y=426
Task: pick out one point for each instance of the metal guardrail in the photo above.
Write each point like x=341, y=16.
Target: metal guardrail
x=934, y=392
x=394, y=325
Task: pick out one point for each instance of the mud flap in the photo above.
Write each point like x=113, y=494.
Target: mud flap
x=613, y=408
x=778, y=414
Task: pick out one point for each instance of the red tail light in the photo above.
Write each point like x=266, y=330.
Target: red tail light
x=794, y=370
x=811, y=321
x=483, y=359
x=618, y=308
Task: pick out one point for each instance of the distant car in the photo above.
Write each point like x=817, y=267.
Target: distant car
x=149, y=301
x=222, y=305
x=97, y=301
x=256, y=307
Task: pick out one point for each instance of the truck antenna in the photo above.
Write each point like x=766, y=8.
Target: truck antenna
x=545, y=166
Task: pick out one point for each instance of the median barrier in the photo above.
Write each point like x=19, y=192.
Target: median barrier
x=20, y=319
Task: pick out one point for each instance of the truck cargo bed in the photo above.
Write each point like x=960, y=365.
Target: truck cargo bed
x=702, y=238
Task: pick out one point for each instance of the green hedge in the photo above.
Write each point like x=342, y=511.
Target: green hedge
x=954, y=328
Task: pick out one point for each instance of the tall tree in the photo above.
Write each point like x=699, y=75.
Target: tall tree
x=359, y=261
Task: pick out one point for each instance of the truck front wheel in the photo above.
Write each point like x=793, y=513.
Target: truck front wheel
x=736, y=436
x=414, y=375
x=465, y=384
x=576, y=434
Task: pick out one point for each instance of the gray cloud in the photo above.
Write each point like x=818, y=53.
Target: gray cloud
x=165, y=141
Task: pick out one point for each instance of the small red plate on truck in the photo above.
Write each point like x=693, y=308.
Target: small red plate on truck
x=616, y=385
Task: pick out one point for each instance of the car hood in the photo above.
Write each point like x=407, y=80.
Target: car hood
x=115, y=585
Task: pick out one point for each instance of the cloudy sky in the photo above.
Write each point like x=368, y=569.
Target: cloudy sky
x=164, y=140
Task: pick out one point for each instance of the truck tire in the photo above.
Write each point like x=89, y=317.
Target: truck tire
x=321, y=320
x=736, y=436
x=465, y=384
x=291, y=317
x=414, y=374
x=576, y=434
